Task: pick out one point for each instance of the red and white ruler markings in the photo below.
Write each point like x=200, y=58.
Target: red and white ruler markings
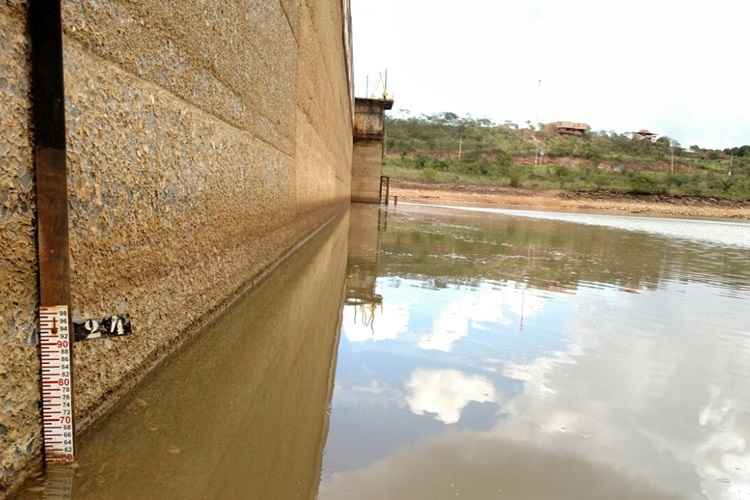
x=57, y=384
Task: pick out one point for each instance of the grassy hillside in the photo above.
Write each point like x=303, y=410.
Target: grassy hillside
x=427, y=149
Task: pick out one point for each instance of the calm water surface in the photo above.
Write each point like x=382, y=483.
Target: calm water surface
x=538, y=355
x=431, y=353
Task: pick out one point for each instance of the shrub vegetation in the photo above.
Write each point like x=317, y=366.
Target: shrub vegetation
x=426, y=148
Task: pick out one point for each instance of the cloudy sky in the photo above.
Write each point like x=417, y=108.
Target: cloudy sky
x=678, y=67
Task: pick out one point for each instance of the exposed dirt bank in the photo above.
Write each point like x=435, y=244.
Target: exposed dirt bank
x=675, y=206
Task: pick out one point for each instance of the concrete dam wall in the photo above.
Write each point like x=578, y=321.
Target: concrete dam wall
x=205, y=140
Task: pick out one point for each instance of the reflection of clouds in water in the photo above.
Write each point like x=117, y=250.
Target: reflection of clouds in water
x=472, y=308
x=491, y=303
x=477, y=308
x=534, y=374
x=478, y=465
x=446, y=393
x=724, y=457
x=655, y=392
x=450, y=326
x=381, y=322
x=634, y=392
x=372, y=394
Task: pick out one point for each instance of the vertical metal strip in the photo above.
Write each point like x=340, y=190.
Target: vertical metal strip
x=48, y=116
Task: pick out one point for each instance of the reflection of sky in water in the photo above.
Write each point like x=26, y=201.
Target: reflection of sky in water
x=455, y=319
x=438, y=353
x=648, y=390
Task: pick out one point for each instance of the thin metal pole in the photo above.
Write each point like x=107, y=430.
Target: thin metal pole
x=387, y=190
x=48, y=115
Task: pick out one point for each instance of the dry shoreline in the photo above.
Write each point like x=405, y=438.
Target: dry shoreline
x=504, y=197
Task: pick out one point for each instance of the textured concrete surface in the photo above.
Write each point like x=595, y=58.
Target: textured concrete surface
x=369, y=118
x=235, y=59
x=367, y=167
x=324, y=110
x=204, y=140
x=19, y=413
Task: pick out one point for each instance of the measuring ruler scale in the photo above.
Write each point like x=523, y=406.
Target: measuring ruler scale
x=57, y=384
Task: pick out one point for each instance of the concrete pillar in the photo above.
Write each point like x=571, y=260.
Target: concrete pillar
x=367, y=157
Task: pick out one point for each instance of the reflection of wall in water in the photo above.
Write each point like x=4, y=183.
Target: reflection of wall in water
x=364, y=250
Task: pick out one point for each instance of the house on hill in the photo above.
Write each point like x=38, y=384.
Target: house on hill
x=645, y=135
x=570, y=128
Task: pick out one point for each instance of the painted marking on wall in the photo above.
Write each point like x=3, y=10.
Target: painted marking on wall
x=57, y=384
x=111, y=326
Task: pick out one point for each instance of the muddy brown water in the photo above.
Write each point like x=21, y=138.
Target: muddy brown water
x=433, y=353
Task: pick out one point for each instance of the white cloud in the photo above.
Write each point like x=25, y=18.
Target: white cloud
x=446, y=393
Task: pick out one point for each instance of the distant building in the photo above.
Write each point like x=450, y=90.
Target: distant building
x=645, y=135
x=570, y=128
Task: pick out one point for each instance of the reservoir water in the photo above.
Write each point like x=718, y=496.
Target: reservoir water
x=439, y=353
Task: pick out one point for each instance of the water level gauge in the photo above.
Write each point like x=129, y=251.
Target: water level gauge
x=57, y=384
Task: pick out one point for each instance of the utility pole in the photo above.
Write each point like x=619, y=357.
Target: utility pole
x=671, y=147
x=460, y=140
